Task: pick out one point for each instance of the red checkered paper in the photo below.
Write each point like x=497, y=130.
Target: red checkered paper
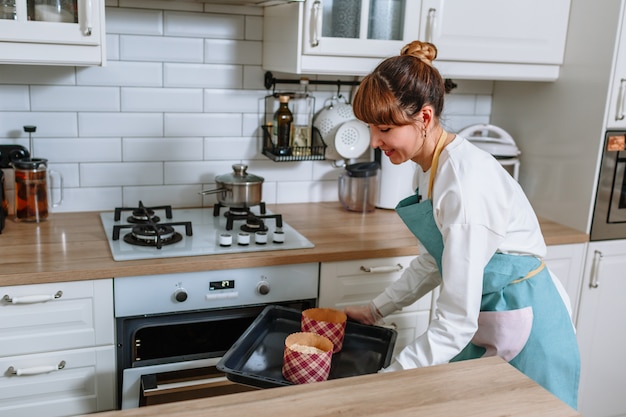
x=326, y=322
x=303, y=368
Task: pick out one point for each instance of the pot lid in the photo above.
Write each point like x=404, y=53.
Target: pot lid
x=362, y=169
x=491, y=139
x=239, y=176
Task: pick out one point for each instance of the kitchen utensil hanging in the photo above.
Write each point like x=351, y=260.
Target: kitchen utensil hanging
x=352, y=139
x=317, y=147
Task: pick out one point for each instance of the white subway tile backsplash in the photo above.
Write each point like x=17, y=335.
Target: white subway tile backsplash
x=235, y=101
x=37, y=74
x=177, y=196
x=134, y=21
x=253, y=77
x=14, y=97
x=69, y=175
x=49, y=124
x=159, y=48
x=80, y=150
x=113, y=47
x=205, y=76
x=162, y=149
x=64, y=98
x=309, y=191
x=120, y=73
x=226, y=51
x=161, y=99
x=253, y=28
x=181, y=99
x=206, y=124
x=199, y=172
x=230, y=148
x=204, y=25
x=90, y=199
x=128, y=173
x=120, y=124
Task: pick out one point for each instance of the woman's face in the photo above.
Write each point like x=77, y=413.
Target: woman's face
x=399, y=143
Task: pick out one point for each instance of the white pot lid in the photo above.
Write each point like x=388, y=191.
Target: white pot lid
x=492, y=139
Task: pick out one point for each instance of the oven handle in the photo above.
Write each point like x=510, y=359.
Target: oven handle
x=131, y=378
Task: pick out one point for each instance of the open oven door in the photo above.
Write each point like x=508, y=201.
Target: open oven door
x=170, y=382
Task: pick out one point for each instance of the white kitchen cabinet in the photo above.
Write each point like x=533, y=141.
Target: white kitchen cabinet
x=567, y=262
x=529, y=33
x=487, y=39
x=616, y=115
x=348, y=283
x=36, y=32
x=601, y=331
x=57, y=353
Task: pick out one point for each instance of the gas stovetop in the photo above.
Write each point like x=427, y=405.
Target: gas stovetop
x=200, y=232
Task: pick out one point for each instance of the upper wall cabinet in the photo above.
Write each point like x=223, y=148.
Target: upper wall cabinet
x=52, y=32
x=482, y=39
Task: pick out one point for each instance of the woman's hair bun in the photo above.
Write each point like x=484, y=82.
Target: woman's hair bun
x=424, y=51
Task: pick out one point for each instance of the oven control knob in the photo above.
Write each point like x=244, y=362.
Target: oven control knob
x=180, y=295
x=263, y=287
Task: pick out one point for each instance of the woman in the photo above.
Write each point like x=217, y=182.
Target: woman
x=479, y=239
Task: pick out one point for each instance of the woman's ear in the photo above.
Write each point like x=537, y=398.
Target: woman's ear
x=427, y=115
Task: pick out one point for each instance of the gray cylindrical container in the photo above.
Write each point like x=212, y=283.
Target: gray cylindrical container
x=358, y=187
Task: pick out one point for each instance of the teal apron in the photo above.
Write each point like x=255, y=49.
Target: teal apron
x=523, y=318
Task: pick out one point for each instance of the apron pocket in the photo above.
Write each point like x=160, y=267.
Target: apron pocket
x=504, y=333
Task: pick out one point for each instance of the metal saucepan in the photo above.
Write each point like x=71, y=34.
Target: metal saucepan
x=238, y=189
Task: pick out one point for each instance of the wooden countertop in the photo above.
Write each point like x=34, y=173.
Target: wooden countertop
x=480, y=388
x=73, y=246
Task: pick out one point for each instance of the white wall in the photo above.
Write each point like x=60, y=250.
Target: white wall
x=179, y=101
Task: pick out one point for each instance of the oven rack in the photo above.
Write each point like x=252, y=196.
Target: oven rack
x=315, y=152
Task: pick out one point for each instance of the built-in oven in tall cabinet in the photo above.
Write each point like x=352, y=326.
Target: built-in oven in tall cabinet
x=609, y=215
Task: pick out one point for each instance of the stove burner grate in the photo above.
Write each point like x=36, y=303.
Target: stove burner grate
x=146, y=229
x=153, y=235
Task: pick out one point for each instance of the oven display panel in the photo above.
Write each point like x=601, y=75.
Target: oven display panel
x=222, y=285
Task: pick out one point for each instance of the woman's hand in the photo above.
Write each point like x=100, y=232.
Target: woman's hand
x=366, y=314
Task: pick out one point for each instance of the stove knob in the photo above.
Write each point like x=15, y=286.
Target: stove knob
x=180, y=295
x=243, y=239
x=226, y=239
x=263, y=288
x=279, y=236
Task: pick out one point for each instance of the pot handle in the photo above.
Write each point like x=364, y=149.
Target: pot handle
x=217, y=190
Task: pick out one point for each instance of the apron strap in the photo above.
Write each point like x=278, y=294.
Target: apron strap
x=435, y=163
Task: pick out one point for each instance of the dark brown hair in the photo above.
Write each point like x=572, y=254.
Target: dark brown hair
x=400, y=86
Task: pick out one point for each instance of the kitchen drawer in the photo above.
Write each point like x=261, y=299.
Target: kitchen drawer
x=347, y=283
x=85, y=384
x=82, y=316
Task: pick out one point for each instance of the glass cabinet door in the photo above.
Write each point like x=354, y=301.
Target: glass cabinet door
x=359, y=27
x=71, y=22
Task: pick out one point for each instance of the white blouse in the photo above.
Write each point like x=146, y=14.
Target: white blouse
x=479, y=209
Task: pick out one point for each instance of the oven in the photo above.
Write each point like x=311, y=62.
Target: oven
x=609, y=215
x=173, y=328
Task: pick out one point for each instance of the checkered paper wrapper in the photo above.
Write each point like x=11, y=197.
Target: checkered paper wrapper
x=301, y=367
x=326, y=322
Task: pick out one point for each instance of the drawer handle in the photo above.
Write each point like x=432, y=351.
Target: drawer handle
x=30, y=299
x=382, y=269
x=36, y=370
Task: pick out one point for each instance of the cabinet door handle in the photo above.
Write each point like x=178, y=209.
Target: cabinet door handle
x=619, y=111
x=381, y=269
x=88, y=17
x=594, y=282
x=316, y=23
x=36, y=370
x=30, y=299
x=430, y=24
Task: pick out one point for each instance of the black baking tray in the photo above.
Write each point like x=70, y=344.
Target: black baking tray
x=256, y=358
